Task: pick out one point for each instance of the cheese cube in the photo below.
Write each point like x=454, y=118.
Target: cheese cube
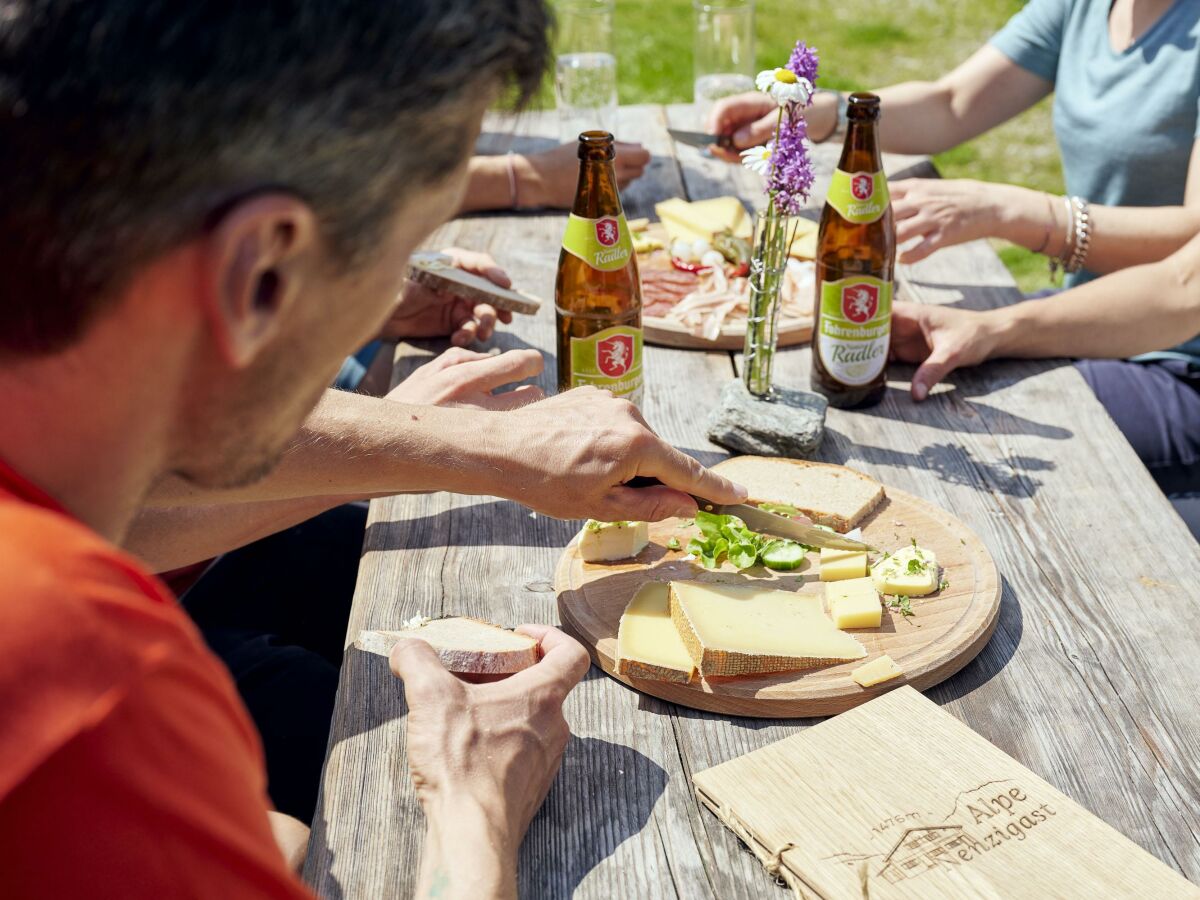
x=606, y=541
x=648, y=644
x=911, y=572
x=877, y=671
x=837, y=565
x=854, y=603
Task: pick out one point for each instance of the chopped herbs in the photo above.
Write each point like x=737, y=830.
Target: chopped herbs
x=901, y=604
x=727, y=537
x=673, y=543
x=943, y=585
x=915, y=567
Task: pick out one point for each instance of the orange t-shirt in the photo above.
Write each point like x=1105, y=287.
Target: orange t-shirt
x=128, y=766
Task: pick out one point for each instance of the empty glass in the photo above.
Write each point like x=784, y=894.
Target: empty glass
x=724, y=50
x=585, y=70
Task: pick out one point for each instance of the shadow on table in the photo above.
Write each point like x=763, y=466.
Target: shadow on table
x=916, y=286
x=604, y=794
x=952, y=463
x=993, y=657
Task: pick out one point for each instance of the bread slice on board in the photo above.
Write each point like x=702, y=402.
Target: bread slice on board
x=466, y=646
x=829, y=495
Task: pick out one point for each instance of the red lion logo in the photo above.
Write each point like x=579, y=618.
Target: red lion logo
x=862, y=186
x=608, y=232
x=614, y=355
x=859, y=302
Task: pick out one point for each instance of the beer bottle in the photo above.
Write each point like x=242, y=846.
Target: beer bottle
x=856, y=255
x=597, y=294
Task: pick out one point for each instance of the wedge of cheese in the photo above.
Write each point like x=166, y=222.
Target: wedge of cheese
x=911, y=572
x=734, y=630
x=877, y=671
x=703, y=219
x=648, y=644
x=853, y=603
x=606, y=541
x=804, y=243
x=838, y=565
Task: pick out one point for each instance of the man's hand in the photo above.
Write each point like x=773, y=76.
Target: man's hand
x=749, y=118
x=421, y=312
x=461, y=377
x=940, y=339
x=551, y=177
x=569, y=457
x=483, y=757
x=944, y=212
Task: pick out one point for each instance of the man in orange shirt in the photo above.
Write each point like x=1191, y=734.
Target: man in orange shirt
x=205, y=206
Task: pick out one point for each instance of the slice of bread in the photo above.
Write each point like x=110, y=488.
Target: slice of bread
x=464, y=645
x=829, y=495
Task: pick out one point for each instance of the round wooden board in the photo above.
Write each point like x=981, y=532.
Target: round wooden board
x=666, y=333
x=945, y=633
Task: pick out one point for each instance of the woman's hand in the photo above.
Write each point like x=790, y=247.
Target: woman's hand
x=750, y=118
x=940, y=339
x=422, y=312
x=946, y=212
x=461, y=377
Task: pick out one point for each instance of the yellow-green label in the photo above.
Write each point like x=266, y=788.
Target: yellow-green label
x=859, y=197
x=602, y=243
x=855, y=328
x=609, y=359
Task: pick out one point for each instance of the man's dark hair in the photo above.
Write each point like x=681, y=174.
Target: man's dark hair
x=126, y=126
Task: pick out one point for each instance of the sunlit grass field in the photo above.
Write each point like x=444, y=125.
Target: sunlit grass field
x=863, y=44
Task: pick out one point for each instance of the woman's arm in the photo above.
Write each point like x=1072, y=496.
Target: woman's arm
x=546, y=179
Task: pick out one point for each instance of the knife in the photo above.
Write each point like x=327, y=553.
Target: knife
x=701, y=138
x=765, y=522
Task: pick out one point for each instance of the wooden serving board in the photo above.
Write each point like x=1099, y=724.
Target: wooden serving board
x=947, y=629
x=898, y=800
x=666, y=333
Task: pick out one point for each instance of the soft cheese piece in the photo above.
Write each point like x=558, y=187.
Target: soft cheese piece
x=854, y=603
x=877, y=671
x=734, y=630
x=837, y=565
x=463, y=644
x=648, y=644
x=606, y=541
x=911, y=571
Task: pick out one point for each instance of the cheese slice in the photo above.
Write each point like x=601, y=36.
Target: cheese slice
x=911, y=571
x=703, y=219
x=854, y=603
x=837, y=565
x=877, y=671
x=648, y=644
x=804, y=243
x=735, y=630
x=606, y=541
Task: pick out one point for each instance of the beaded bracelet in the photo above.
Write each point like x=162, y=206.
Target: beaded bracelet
x=1083, y=234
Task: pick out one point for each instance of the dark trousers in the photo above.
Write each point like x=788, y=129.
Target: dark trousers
x=1157, y=407
x=275, y=612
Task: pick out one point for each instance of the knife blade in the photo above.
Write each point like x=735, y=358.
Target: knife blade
x=701, y=139
x=765, y=522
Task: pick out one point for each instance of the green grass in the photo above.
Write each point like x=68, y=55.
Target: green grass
x=863, y=44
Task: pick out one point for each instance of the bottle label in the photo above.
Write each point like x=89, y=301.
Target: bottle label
x=859, y=197
x=602, y=243
x=855, y=328
x=609, y=359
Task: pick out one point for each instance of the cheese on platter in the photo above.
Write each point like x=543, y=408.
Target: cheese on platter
x=648, y=644
x=909, y=572
x=854, y=603
x=876, y=671
x=608, y=541
x=733, y=630
x=838, y=565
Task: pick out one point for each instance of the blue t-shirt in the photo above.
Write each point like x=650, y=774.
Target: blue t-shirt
x=1125, y=122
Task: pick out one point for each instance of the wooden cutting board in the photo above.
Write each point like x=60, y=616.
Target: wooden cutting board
x=946, y=631
x=898, y=800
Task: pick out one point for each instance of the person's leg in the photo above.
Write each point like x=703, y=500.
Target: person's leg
x=1157, y=407
x=275, y=612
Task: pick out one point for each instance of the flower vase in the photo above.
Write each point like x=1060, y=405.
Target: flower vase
x=773, y=234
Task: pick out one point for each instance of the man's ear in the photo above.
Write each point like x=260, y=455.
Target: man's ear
x=256, y=259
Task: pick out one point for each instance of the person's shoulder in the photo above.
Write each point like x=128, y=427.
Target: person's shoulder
x=80, y=623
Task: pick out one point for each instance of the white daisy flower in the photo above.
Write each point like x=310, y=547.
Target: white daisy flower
x=784, y=86
x=758, y=159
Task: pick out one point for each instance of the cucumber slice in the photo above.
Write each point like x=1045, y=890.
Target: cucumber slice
x=783, y=555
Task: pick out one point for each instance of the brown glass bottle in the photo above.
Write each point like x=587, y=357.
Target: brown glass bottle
x=597, y=294
x=856, y=258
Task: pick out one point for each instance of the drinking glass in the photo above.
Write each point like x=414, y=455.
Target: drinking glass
x=724, y=50
x=585, y=70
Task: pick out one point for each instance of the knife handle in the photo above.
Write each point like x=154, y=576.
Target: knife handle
x=644, y=481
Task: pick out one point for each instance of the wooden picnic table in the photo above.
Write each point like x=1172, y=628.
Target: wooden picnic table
x=1089, y=679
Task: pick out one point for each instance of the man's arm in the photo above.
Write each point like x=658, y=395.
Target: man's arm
x=1136, y=310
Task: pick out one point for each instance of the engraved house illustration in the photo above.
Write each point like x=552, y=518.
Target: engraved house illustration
x=920, y=849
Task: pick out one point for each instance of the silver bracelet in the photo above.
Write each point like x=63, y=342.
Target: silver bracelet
x=512, y=182
x=1059, y=263
x=1083, y=234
